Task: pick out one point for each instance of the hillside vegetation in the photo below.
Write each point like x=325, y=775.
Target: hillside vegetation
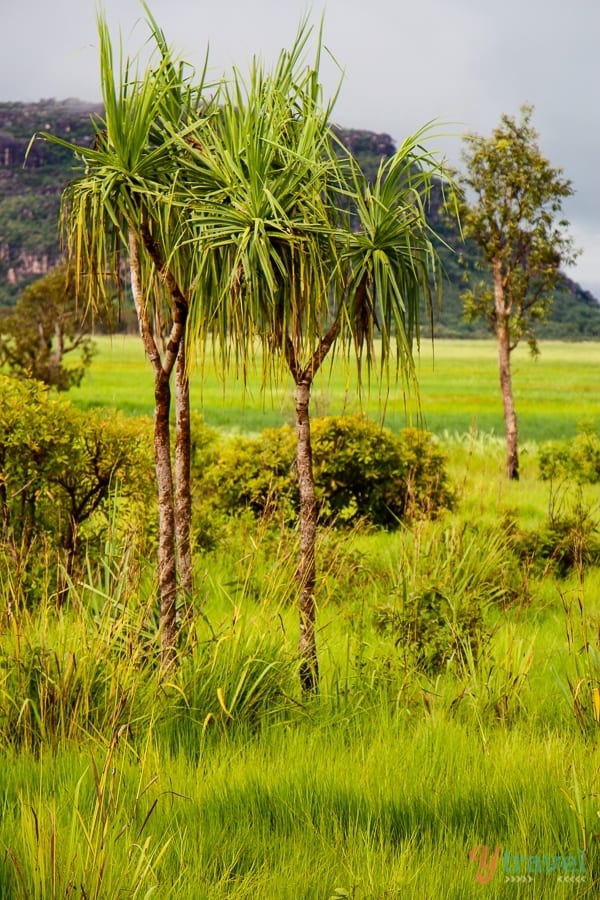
x=30, y=200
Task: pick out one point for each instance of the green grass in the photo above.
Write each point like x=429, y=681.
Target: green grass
x=381, y=788
x=458, y=379
x=224, y=782
x=304, y=812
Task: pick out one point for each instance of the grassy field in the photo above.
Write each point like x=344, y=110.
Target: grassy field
x=458, y=379
x=479, y=778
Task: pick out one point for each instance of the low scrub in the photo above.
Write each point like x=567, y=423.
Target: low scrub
x=64, y=475
x=447, y=580
x=578, y=459
x=568, y=540
x=363, y=472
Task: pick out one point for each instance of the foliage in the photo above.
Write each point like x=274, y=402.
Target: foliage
x=256, y=473
x=222, y=781
x=46, y=324
x=432, y=631
x=29, y=206
x=59, y=470
x=568, y=540
x=577, y=460
x=206, y=443
x=512, y=197
x=443, y=589
x=363, y=472
x=510, y=203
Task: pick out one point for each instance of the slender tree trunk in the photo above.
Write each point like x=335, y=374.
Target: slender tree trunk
x=306, y=572
x=174, y=356
x=183, y=491
x=504, y=350
x=167, y=572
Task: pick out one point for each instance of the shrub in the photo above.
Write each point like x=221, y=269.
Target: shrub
x=433, y=628
x=568, y=540
x=445, y=582
x=256, y=474
x=63, y=474
x=362, y=472
x=578, y=459
x=206, y=526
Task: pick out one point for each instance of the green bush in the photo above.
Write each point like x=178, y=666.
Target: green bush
x=206, y=444
x=447, y=578
x=568, y=540
x=65, y=476
x=255, y=474
x=578, y=459
x=434, y=629
x=363, y=472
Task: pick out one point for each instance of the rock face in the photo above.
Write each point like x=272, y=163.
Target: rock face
x=24, y=265
x=32, y=178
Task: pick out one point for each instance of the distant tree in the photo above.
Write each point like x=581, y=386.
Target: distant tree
x=46, y=325
x=510, y=207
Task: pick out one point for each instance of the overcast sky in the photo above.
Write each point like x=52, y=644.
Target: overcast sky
x=461, y=62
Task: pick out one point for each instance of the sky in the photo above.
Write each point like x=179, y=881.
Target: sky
x=460, y=64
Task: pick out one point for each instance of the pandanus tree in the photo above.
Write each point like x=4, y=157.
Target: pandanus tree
x=125, y=206
x=297, y=255
x=257, y=229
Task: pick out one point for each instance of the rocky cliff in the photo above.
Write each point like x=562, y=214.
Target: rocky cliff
x=32, y=177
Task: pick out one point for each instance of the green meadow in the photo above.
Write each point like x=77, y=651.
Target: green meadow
x=458, y=381
x=476, y=776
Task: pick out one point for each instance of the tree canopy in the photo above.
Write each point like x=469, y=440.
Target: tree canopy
x=510, y=207
x=47, y=324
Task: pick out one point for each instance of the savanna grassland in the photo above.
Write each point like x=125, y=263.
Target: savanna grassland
x=458, y=381
x=459, y=706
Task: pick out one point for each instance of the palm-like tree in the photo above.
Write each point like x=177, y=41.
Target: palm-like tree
x=125, y=205
x=259, y=227
x=299, y=253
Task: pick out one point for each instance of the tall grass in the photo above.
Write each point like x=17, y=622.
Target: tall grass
x=377, y=807
x=222, y=781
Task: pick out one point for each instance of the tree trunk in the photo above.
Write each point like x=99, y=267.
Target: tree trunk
x=306, y=572
x=183, y=492
x=508, y=403
x=167, y=571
